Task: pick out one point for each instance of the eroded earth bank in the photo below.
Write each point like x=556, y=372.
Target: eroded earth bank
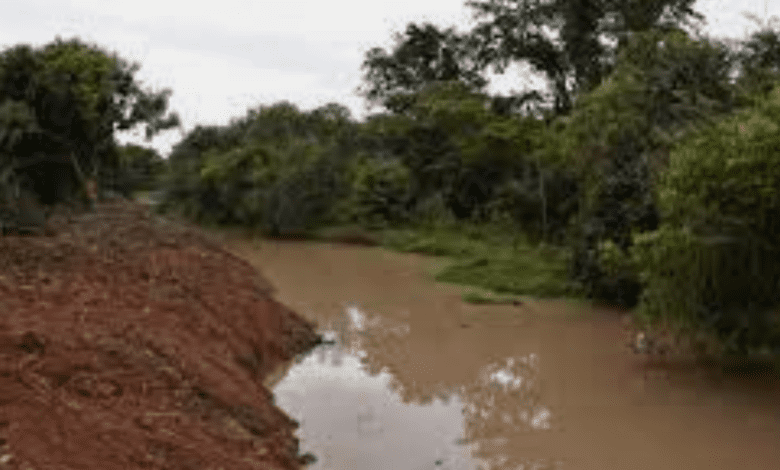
x=131, y=342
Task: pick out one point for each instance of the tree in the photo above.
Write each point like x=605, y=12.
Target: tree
x=663, y=85
x=572, y=42
x=758, y=58
x=464, y=153
x=281, y=123
x=69, y=97
x=423, y=54
x=330, y=120
x=712, y=264
x=140, y=168
x=278, y=169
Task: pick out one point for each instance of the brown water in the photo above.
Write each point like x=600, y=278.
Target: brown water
x=417, y=379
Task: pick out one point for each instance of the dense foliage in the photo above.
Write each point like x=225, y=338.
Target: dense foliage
x=138, y=169
x=720, y=200
x=572, y=42
x=652, y=162
x=423, y=54
x=277, y=169
x=663, y=85
x=68, y=98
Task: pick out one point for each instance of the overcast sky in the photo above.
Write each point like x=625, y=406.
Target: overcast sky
x=222, y=57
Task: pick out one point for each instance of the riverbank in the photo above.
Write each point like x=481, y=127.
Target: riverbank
x=145, y=339
x=497, y=267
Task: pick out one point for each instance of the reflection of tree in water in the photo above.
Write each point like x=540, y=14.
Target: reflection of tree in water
x=504, y=400
x=335, y=354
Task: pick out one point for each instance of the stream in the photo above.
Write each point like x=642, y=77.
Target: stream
x=413, y=378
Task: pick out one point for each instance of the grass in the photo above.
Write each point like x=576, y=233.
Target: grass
x=450, y=244
x=481, y=298
x=526, y=273
x=498, y=264
x=350, y=234
x=491, y=259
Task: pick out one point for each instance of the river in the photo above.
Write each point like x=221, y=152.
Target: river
x=414, y=378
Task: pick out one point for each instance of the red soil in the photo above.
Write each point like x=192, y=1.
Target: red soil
x=130, y=342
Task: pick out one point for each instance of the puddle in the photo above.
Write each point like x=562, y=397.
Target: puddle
x=355, y=414
x=417, y=379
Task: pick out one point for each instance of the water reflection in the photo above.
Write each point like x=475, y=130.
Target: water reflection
x=432, y=348
x=360, y=408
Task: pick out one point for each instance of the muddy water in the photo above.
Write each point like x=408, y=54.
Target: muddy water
x=416, y=379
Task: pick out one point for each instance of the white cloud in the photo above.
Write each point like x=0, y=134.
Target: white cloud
x=725, y=17
x=220, y=58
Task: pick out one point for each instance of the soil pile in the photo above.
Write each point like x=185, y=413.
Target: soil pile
x=127, y=341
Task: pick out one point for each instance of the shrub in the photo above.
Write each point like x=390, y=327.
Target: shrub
x=713, y=263
x=379, y=191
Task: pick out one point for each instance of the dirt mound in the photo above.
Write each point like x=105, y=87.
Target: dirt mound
x=130, y=342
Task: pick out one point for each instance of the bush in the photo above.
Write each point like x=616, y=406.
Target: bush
x=663, y=85
x=713, y=263
x=379, y=191
x=277, y=189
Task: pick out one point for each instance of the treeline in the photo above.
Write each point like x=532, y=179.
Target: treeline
x=652, y=156
x=284, y=170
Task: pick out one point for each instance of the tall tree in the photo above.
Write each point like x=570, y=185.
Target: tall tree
x=422, y=54
x=70, y=97
x=619, y=135
x=572, y=42
x=758, y=57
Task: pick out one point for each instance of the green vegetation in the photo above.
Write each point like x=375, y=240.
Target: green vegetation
x=490, y=259
x=140, y=169
x=474, y=297
x=277, y=170
x=62, y=102
x=647, y=178
x=524, y=273
x=720, y=232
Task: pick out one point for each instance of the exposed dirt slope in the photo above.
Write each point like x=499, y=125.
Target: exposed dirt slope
x=131, y=342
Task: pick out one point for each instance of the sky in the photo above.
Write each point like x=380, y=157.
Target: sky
x=222, y=58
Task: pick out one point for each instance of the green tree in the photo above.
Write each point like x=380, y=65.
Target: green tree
x=712, y=265
x=379, y=192
x=758, y=59
x=572, y=42
x=79, y=94
x=467, y=159
x=278, y=169
x=422, y=54
x=140, y=169
x=663, y=85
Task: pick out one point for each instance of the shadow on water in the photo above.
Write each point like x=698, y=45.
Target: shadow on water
x=416, y=379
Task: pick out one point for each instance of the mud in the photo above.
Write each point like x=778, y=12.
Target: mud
x=545, y=385
x=127, y=341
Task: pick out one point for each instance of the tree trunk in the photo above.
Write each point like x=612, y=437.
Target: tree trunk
x=543, y=197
